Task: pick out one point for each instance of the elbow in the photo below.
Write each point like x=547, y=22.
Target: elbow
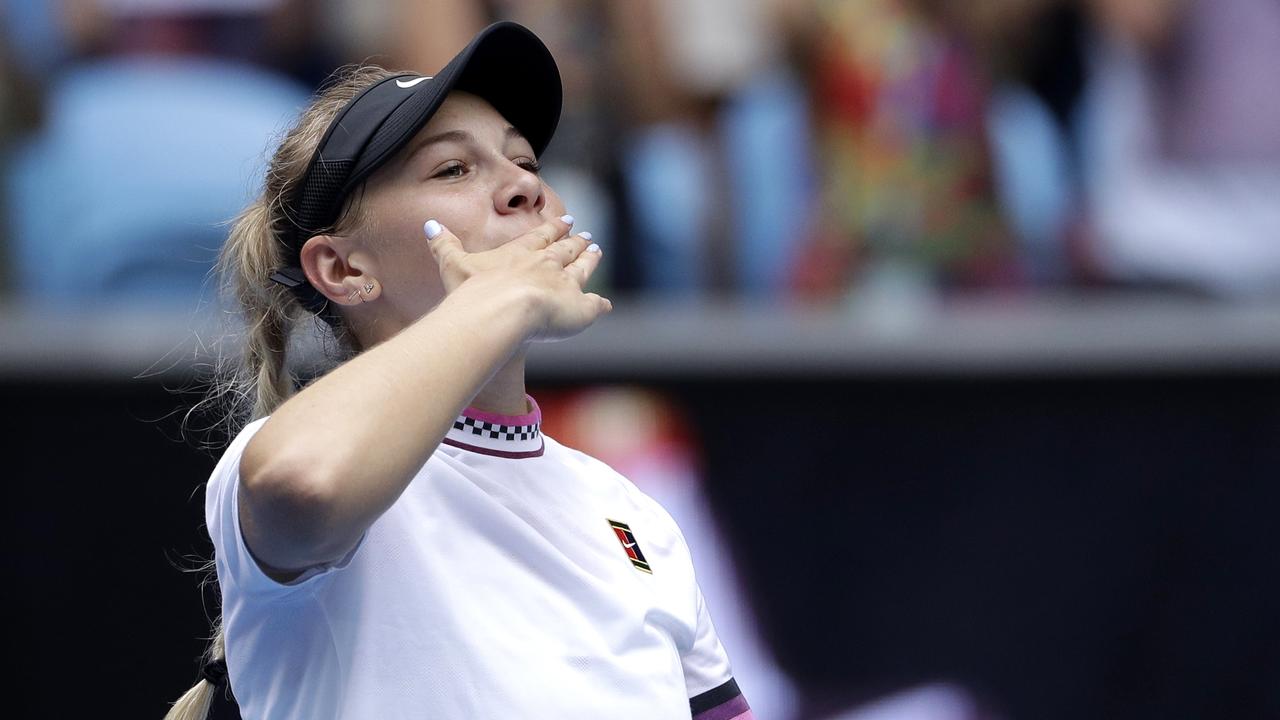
x=279, y=478
x=288, y=510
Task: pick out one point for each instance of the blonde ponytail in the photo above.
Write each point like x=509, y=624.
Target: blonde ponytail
x=269, y=310
x=194, y=703
x=260, y=380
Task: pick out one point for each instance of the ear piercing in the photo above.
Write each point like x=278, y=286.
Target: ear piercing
x=363, y=293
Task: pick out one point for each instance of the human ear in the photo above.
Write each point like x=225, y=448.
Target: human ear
x=339, y=273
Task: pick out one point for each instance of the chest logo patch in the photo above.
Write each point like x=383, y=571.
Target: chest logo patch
x=630, y=545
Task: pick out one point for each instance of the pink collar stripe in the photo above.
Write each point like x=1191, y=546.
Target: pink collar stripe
x=533, y=417
x=506, y=436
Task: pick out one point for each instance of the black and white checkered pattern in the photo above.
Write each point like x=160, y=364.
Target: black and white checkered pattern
x=494, y=431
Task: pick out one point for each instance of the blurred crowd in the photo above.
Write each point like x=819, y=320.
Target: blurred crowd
x=815, y=149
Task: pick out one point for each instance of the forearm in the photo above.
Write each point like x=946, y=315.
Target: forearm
x=334, y=457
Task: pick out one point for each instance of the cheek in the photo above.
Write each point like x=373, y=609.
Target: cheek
x=414, y=279
x=401, y=244
x=410, y=269
x=464, y=215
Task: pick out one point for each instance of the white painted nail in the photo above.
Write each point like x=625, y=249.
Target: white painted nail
x=432, y=228
x=593, y=248
x=585, y=235
x=566, y=219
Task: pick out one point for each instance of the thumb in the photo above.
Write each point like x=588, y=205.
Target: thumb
x=445, y=246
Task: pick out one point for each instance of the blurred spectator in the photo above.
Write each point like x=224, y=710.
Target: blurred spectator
x=154, y=128
x=48, y=36
x=1182, y=138
x=715, y=162
x=1033, y=51
x=900, y=99
x=424, y=34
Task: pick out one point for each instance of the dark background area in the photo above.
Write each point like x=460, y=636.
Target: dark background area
x=1068, y=548
x=1064, y=546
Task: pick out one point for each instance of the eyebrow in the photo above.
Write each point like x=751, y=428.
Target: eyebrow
x=458, y=136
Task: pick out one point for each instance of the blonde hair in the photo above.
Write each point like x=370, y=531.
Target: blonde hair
x=260, y=381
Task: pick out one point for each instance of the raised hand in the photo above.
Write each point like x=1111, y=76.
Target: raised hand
x=546, y=268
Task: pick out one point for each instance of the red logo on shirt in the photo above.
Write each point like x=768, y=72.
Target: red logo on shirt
x=630, y=546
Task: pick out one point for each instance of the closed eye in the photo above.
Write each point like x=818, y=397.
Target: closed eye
x=530, y=164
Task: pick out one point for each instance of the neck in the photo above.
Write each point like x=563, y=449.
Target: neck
x=504, y=394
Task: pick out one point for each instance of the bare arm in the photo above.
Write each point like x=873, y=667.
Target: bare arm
x=334, y=457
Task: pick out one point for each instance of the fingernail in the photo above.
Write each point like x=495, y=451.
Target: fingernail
x=566, y=219
x=593, y=248
x=432, y=228
x=585, y=235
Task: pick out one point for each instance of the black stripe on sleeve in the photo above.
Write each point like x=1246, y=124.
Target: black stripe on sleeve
x=714, y=697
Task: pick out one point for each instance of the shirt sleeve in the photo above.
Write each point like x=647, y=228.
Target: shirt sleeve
x=237, y=568
x=713, y=693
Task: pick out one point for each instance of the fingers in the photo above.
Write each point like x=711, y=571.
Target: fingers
x=576, y=254
x=546, y=233
x=603, y=305
x=444, y=243
x=566, y=250
x=585, y=263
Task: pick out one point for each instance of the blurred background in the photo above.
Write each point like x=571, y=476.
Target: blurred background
x=948, y=331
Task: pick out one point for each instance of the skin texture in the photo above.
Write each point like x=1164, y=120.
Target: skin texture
x=446, y=324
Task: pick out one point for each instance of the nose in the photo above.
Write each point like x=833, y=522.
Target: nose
x=520, y=191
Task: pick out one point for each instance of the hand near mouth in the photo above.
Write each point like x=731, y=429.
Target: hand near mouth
x=546, y=267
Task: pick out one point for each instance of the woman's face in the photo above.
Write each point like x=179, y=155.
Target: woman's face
x=469, y=169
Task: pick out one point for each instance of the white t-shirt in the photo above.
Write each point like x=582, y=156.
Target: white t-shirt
x=514, y=577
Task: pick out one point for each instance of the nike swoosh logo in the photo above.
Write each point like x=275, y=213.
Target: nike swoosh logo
x=629, y=545
x=411, y=83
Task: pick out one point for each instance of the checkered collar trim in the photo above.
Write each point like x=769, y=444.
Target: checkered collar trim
x=509, y=436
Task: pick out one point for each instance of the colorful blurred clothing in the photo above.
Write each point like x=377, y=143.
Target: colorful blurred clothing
x=899, y=113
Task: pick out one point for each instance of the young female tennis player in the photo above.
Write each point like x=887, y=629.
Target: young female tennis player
x=398, y=539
